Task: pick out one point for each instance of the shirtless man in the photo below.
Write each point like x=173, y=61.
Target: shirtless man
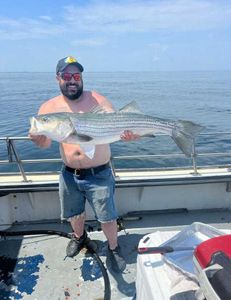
x=81, y=177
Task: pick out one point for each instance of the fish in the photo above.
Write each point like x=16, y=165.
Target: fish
x=101, y=127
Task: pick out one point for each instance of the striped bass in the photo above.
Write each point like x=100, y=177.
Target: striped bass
x=100, y=127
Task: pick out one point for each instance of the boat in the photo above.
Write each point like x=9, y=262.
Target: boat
x=166, y=200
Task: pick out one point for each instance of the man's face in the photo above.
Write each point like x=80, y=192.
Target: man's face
x=71, y=86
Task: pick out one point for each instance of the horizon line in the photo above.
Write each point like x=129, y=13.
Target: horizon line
x=127, y=71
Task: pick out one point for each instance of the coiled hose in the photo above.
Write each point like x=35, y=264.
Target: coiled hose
x=107, y=286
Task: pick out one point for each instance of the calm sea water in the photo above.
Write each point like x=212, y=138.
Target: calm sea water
x=203, y=97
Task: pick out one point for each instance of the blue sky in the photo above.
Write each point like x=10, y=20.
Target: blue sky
x=126, y=35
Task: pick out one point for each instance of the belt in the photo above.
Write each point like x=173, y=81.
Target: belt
x=90, y=171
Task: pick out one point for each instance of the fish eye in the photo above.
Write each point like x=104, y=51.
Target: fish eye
x=45, y=119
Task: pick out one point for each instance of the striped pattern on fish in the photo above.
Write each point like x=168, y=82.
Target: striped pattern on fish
x=100, y=127
x=112, y=125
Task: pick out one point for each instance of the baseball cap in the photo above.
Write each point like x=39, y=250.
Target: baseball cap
x=66, y=61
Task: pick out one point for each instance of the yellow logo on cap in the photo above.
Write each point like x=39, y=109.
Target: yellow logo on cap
x=70, y=59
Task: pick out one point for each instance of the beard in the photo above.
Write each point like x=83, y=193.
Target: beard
x=71, y=91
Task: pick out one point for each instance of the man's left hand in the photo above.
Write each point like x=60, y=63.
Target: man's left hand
x=129, y=136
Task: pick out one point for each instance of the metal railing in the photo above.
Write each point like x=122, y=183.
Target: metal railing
x=13, y=156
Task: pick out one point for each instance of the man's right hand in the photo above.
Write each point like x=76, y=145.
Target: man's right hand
x=40, y=140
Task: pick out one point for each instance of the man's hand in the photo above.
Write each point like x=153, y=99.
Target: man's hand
x=129, y=136
x=40, y=140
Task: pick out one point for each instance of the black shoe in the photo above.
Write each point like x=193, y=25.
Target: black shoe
x=117, y=261
x=75, y=245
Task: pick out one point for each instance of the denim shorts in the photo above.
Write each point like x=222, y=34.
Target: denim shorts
x=98, y=189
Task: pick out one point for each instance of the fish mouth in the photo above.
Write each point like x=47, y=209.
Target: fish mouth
x=33, y=126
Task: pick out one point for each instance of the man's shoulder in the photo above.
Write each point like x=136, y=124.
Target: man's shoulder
x=51, y=105
x=95, y=94
x=92, y=95
x=101, y=100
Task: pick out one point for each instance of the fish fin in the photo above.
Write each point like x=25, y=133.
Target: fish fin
x=184, y=135
x=83, y=138
x=131, y=107
x=80, y=137
x=149, y=135
x=89, y=150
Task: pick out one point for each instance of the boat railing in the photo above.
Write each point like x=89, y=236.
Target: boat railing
x=13, y=156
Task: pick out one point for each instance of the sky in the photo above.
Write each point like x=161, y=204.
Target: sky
x=123, y=35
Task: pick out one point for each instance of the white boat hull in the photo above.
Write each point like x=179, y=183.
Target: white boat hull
x=37, y=199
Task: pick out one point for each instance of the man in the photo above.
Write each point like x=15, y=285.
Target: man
x=81, y=177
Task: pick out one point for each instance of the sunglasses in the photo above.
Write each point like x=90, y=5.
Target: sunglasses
x=68, y=76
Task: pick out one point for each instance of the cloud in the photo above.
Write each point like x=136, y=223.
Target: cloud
x=149, y=16
x=24, y=28
x=155, y=58
x=89, y=42
x=47, y=18
x=120, y=17
x=158, y=50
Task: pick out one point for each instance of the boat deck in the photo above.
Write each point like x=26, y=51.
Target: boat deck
x=35, y=267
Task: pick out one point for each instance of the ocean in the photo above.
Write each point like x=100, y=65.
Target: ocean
x=202, y=97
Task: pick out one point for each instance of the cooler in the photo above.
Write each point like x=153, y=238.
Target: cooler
x=212, y=260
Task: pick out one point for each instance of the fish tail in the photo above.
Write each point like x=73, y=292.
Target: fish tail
x=184, y=134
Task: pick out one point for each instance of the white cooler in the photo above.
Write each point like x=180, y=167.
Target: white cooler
x=161, y=277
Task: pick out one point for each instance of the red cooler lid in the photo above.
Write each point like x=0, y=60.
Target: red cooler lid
x=203, y=253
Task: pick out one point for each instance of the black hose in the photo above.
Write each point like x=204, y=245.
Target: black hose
x=107, y=286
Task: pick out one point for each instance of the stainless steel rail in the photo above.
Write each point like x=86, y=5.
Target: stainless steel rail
x=13, y=156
